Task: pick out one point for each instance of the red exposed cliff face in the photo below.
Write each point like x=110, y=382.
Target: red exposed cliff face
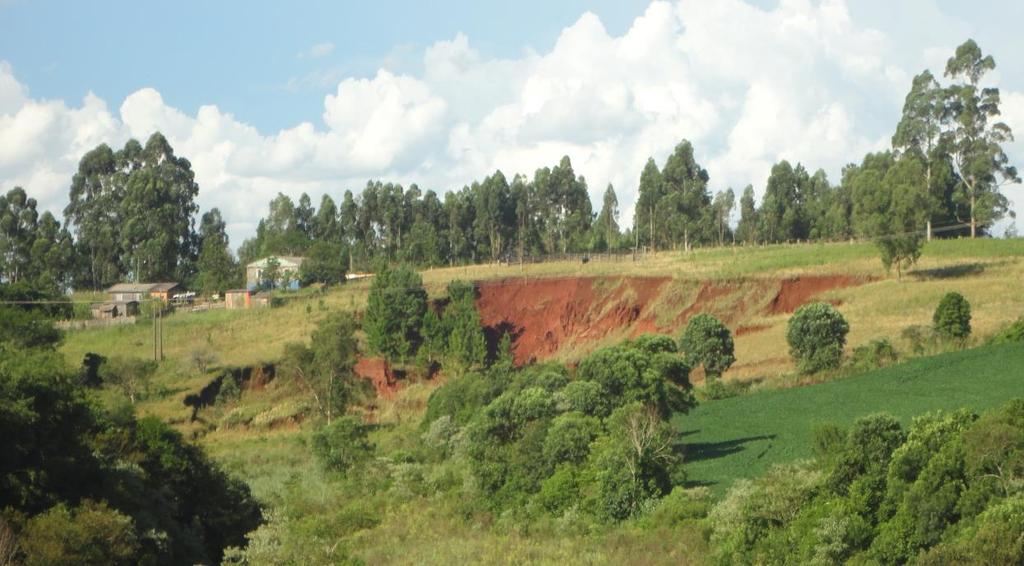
x=797, y=291
x=543, y=316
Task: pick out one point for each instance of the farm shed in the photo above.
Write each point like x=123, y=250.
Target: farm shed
x=238, y=299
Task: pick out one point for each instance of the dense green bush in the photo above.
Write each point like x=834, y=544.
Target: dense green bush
x=61, y=449
x=1012, y=333
x=816, y=335
x=627, y=374
x=947, y=491
x=598, y=443
x=952, y=318
x=462, y=397
x=875, y=354
x=708, y=342
x=342, y=445
x=90, y=534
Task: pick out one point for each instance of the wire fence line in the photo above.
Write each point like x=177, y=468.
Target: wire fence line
x=640, y=254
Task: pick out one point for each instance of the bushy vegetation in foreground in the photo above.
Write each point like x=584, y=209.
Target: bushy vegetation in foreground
x=539, y=441
x=84, y=484
x=947, y=490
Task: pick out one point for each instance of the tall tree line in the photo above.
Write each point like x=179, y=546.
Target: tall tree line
x=488, y=220
x=130, y=217
x=942, y=176
x=132, y=212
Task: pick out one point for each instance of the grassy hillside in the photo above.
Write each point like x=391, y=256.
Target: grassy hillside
x=264, y=439
x=742, y=436
x=983, y=270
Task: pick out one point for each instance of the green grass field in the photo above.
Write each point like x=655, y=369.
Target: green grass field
x=741, y=437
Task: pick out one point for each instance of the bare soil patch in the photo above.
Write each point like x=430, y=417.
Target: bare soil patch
x=797, y=291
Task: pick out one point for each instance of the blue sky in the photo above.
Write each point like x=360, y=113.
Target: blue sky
x=319, y=97
x=253, y=57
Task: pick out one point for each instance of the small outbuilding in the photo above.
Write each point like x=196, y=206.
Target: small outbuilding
x=115, y=309
x=124, y=292
x=164, y=291
x=238, y=299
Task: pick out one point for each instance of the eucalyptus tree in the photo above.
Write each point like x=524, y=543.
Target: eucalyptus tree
x=746, y=230
x=649, y=193
x=607, y=225
x=976, y=137
x=722, y=206
x=94, y=216
x=686, y=203
x=158, y=211
x=18, y=221
x=926, y=113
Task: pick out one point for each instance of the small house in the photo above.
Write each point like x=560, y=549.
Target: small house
x=124, y=292
x=164, y=291
x=238, y=299
x=115, y=309
x=138, y=292
x=256, y=276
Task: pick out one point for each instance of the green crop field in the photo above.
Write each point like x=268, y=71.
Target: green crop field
x=741, y=437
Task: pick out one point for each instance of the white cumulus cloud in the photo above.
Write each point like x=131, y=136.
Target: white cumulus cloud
x=803, y=81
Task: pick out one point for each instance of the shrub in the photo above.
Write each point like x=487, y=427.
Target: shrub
x=708, y=342
x=131, y=375
x=202, y=359
x=1012, y=333
x=918, y=338
x=92, y=534
x=952, y=318
x=342, y=445
x=816, y=336
x=873, y=355
x=229, y=390
x=461, y=398
x=716, y=389
x=560, y=490
x=679, y=506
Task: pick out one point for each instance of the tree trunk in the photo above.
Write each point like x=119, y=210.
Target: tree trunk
x=974, y=221
x=653, y=246
x=928, y=189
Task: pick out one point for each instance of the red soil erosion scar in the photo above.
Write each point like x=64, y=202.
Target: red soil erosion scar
x=797, y=291
x=543, y=315
x=378, y=372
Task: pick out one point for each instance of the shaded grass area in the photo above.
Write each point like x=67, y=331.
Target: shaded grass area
x=743, y=436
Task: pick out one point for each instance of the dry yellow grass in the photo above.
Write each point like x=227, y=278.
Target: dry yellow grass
x=988, y=272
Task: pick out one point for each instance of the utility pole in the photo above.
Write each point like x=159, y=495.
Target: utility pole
x=155, y=355
x=160, y=317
